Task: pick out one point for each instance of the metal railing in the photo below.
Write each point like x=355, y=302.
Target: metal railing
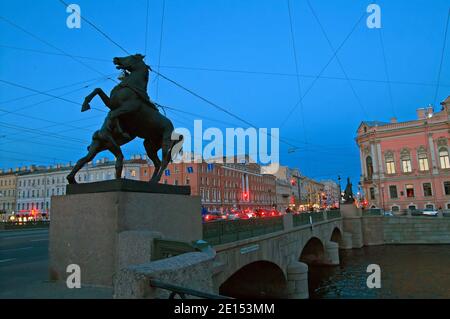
x=222, y=232
x=28, y=224
x=182, y=291
x=333, y=214
x=306, y=218
x=163, y=248
x=372, y=212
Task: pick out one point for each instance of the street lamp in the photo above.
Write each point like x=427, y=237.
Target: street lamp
x=339, y=198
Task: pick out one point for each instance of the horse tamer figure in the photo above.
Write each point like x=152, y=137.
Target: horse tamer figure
x=131, y=115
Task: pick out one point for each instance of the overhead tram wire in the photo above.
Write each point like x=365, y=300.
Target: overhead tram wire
x=146, y=28
x=199, y=96
x=52, y=46
x=47, y=100
x=322, y=70
x=386, y=71
x=442, y=58
x=172, y=81
x=54, y=89
x=54, y=53
x=358, y=99
x=250, y=72
x=299, y=88
x=51, y=95
x=98, y=29
x=46, y=133
x=160, y=44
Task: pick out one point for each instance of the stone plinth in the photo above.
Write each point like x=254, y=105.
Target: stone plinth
x=331, y=254
x=88, y=229
x=352, y=224
x=297, y=277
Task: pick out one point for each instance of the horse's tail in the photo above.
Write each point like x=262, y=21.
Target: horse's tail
x=177, y=147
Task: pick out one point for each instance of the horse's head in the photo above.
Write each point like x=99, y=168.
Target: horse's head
x=130, y=63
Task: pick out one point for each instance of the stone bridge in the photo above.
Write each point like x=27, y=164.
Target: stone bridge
x=259, y=258
x=276, y=264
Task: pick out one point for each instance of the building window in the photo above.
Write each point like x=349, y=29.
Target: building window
x=390, y=164
x=395, y=208
x=447, y=188
x=427, y=190
x=406, y=161
x=412, y=207
x=393, y=191
x=443, y=158
x=369, y=166
x=409, y=190
x=372, y=193
x=423, y=162
x=429, y=206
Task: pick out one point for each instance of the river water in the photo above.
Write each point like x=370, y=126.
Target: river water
x=407, y=271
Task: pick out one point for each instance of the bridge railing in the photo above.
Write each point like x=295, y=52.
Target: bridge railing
x=310, y=217
x=176, y=290
x=333, y=214
x=222, y=232
x=372, y=212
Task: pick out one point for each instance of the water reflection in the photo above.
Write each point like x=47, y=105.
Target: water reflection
x=407, y=271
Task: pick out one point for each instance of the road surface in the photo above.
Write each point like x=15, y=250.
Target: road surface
x=24, y=268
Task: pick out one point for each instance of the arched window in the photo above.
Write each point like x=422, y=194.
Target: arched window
x=369, y=166
x=406, y=161
x=395, y=208
x=390, y=164
x=423, y=159
x=444, y=158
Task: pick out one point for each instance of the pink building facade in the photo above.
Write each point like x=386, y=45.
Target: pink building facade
x=406, y=166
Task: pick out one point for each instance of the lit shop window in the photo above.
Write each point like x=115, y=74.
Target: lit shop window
x=133, y=173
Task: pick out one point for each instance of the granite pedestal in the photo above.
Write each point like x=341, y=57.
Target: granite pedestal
x=87, y=223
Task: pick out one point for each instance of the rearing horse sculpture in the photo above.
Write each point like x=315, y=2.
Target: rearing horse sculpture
x=132, y=115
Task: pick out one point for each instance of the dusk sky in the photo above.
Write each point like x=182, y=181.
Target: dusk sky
x=237, y=54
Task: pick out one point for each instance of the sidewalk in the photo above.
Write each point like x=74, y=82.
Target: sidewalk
x=52, y=290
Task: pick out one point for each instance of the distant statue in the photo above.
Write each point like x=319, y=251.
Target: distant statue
x=348, y=193
x=132, y=114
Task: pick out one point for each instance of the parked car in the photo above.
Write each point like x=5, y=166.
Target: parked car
x=430, y=212
x=389, y=213
x=211, y=216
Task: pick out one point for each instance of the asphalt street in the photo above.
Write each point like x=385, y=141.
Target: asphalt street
x=24, y=268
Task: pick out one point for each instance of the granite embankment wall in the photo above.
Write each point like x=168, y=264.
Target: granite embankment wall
x=405, y=230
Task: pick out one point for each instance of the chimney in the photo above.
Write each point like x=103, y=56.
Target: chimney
x=1, y=170
x=394, y=120
x=421, y=114
x=446, y=104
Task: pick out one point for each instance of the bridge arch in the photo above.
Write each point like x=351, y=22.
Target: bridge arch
x=313, y=252
x=259, y=279
x=336, y=235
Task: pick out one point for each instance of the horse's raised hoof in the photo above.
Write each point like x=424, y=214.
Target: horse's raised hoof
x=71, y=179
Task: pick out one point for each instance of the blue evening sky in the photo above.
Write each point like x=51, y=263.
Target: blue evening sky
x=250, y=42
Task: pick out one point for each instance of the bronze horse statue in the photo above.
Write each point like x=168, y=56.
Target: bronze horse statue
x=132, y=115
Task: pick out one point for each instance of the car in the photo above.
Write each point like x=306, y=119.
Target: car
x=211, y=216
x=388, y=213
x=430, y=212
